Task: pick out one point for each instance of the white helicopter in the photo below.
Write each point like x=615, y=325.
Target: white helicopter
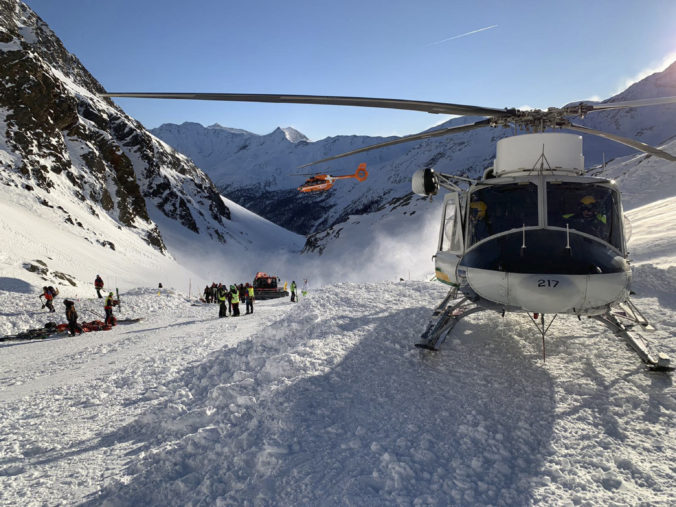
x=534, y=235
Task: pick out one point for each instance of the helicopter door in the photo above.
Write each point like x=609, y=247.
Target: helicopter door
x=451, y=243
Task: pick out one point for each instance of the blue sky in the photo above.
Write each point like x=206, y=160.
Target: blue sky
x=479, y=52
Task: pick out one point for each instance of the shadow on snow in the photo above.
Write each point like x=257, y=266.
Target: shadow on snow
x=387, y=423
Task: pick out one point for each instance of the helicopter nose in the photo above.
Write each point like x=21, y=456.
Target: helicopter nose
x=550, y=292
x=546, y=278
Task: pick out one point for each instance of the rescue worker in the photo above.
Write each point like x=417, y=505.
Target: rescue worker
x=222, y=298
x=108, y=307
x=71, y=317
x=249, y=298
x=98, y=285
x=235, y=301
x=229, y=296
x=293, y=291
x=588, y=218
x=478, y=222
x=49, y=296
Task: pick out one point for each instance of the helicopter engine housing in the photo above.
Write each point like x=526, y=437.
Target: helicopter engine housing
x=557, y=152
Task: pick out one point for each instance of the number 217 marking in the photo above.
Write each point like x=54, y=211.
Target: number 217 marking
x=547, y=283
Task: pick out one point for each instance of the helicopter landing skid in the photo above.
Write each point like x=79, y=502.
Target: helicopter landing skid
x=655, y=361
x=444, y=318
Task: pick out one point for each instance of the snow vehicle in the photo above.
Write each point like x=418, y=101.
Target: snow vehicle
x=322, y=182
x=266, y=287
x=531, y=255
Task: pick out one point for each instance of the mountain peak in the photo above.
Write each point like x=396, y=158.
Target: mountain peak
x=218, y=126
x=290, y=133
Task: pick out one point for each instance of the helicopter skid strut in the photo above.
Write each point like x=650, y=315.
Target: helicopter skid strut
x=656, y=361
x=444, y=318
x=449, y=312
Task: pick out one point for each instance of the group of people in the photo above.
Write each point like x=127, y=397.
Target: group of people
x=49, y=293
x=229, y=298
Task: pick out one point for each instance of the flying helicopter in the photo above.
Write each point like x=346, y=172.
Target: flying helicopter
x=519, y=239
x=323, y=182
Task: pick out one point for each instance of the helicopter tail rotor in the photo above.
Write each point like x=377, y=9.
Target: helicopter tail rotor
x=361, y=173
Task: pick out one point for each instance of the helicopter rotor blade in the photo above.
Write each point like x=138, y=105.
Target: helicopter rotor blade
x=409, y=105
x=406, y=139
x=646, y=148
x=661, y=101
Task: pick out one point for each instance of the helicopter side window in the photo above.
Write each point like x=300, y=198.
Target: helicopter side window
x=452, y=235
x=501, y=208
x=592, y=209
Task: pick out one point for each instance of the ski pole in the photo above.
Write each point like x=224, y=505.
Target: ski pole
x=93, y=313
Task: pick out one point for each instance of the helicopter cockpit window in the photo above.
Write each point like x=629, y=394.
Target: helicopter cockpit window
x=501, y=208
x=592, y=209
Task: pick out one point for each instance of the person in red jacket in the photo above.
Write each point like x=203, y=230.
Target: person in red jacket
x=98, y=285
x=49, y=296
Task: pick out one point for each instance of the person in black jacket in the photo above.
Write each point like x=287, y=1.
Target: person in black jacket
x=71, y=316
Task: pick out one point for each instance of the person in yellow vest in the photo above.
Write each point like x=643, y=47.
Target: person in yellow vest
x=293, y=291
x=108, y=308
x=222, y=298
x=249, y=297
x=234, y=300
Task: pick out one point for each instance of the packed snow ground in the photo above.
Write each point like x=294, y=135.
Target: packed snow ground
x=326, y=402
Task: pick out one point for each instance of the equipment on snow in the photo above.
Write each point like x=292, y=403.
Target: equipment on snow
x=52, y=329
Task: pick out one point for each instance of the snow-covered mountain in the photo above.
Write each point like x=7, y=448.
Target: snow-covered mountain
x=260, y=172
x=78, y=165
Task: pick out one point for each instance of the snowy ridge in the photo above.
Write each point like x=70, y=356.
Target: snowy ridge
x=261, y=172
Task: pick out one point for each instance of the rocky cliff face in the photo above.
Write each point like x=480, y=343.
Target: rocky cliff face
x=58, y=135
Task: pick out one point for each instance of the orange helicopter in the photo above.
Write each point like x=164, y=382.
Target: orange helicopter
x=321, y=182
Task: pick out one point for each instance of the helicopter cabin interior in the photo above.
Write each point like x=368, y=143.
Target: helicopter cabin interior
x=578, y=206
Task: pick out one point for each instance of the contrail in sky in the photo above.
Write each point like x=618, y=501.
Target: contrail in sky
x=463, y=35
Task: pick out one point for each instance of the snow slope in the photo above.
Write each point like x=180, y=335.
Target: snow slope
x=326, y=402
x=70, y=257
